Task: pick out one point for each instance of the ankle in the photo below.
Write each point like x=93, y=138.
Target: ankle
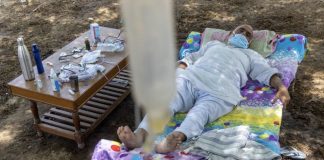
x=141, y=134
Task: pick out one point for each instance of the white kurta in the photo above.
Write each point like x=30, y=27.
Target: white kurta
x=221, y=70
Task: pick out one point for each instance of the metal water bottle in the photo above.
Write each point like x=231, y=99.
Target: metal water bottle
x=38, y=59
x=25, y=60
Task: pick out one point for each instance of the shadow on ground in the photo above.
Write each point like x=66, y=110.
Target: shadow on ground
x=57, y=22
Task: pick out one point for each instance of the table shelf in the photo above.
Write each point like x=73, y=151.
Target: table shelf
x=59, y=121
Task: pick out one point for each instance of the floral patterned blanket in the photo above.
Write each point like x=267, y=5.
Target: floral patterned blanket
x=256, y=111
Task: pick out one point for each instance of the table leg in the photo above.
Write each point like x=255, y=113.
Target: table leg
x=34, y=109
x=78, y=137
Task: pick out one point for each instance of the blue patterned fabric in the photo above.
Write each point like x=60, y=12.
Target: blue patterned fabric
x=192, y=44
x=290, y=45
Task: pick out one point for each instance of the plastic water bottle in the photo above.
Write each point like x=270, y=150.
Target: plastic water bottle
x=54, y=81
x=94, y=33
x=87, y=44
x=38, y=59
x=25, y=61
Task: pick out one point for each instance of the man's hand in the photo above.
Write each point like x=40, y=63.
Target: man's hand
x=182, y=65
x=283, y=95
x=282, y=92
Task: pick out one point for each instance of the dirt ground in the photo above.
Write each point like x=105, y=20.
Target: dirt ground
x=54, y=23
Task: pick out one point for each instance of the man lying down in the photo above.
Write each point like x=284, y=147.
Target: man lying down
x=208, y=86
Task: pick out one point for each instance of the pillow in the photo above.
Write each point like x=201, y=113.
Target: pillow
x=192, y=44
x=211, y=34
x=293, y=45
x=261, y=42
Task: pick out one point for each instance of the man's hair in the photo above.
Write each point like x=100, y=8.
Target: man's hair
x=245, y=26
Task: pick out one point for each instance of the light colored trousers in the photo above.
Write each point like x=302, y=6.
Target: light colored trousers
x=202, y=108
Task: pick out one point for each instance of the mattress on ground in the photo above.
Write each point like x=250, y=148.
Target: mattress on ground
x=256, y=111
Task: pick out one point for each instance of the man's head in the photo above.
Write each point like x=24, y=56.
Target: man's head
x=241, y=36
x=246, y=30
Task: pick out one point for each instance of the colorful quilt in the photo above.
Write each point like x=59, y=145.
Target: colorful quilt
x=256, y=111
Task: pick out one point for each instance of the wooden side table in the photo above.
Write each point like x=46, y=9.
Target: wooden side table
x=76, y=116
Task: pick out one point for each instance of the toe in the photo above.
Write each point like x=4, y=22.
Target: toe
x=118, y=130
x=121, y=129
x=127, y=129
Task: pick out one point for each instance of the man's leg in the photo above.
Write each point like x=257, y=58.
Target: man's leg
x=206, y=109
x=203, y=112
x=182, y=102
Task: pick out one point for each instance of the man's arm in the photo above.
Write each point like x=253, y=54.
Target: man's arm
x=259, y=68
x=190, y=59
x=282, y=92
x=261, y=71
x=193, y=57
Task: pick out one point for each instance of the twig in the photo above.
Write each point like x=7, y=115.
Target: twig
x=39, y=6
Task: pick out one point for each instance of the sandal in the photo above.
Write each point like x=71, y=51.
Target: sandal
x=292, y=153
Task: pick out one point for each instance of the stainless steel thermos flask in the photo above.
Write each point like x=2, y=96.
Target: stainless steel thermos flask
x=25, y=60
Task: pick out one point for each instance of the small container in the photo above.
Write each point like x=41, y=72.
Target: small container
x=87, y=44
x=74, y=81
x=38, y=84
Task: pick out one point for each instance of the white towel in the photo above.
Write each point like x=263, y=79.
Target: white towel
x=231, y=143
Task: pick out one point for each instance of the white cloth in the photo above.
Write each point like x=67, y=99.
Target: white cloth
x=222, y=70
x=231, y=143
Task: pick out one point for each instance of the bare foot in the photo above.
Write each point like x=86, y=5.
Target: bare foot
x=130, y=139
x=170, y=143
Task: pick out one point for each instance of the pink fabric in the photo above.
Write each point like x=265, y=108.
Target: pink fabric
x=111, y=150
x=262, y=41
x=222, y=36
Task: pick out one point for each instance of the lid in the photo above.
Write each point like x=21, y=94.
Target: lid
x=20, y=40
x=91, y=20
x=35, y=47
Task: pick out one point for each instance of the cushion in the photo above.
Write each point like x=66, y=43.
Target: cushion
x=192, y=44
x=292, y=45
